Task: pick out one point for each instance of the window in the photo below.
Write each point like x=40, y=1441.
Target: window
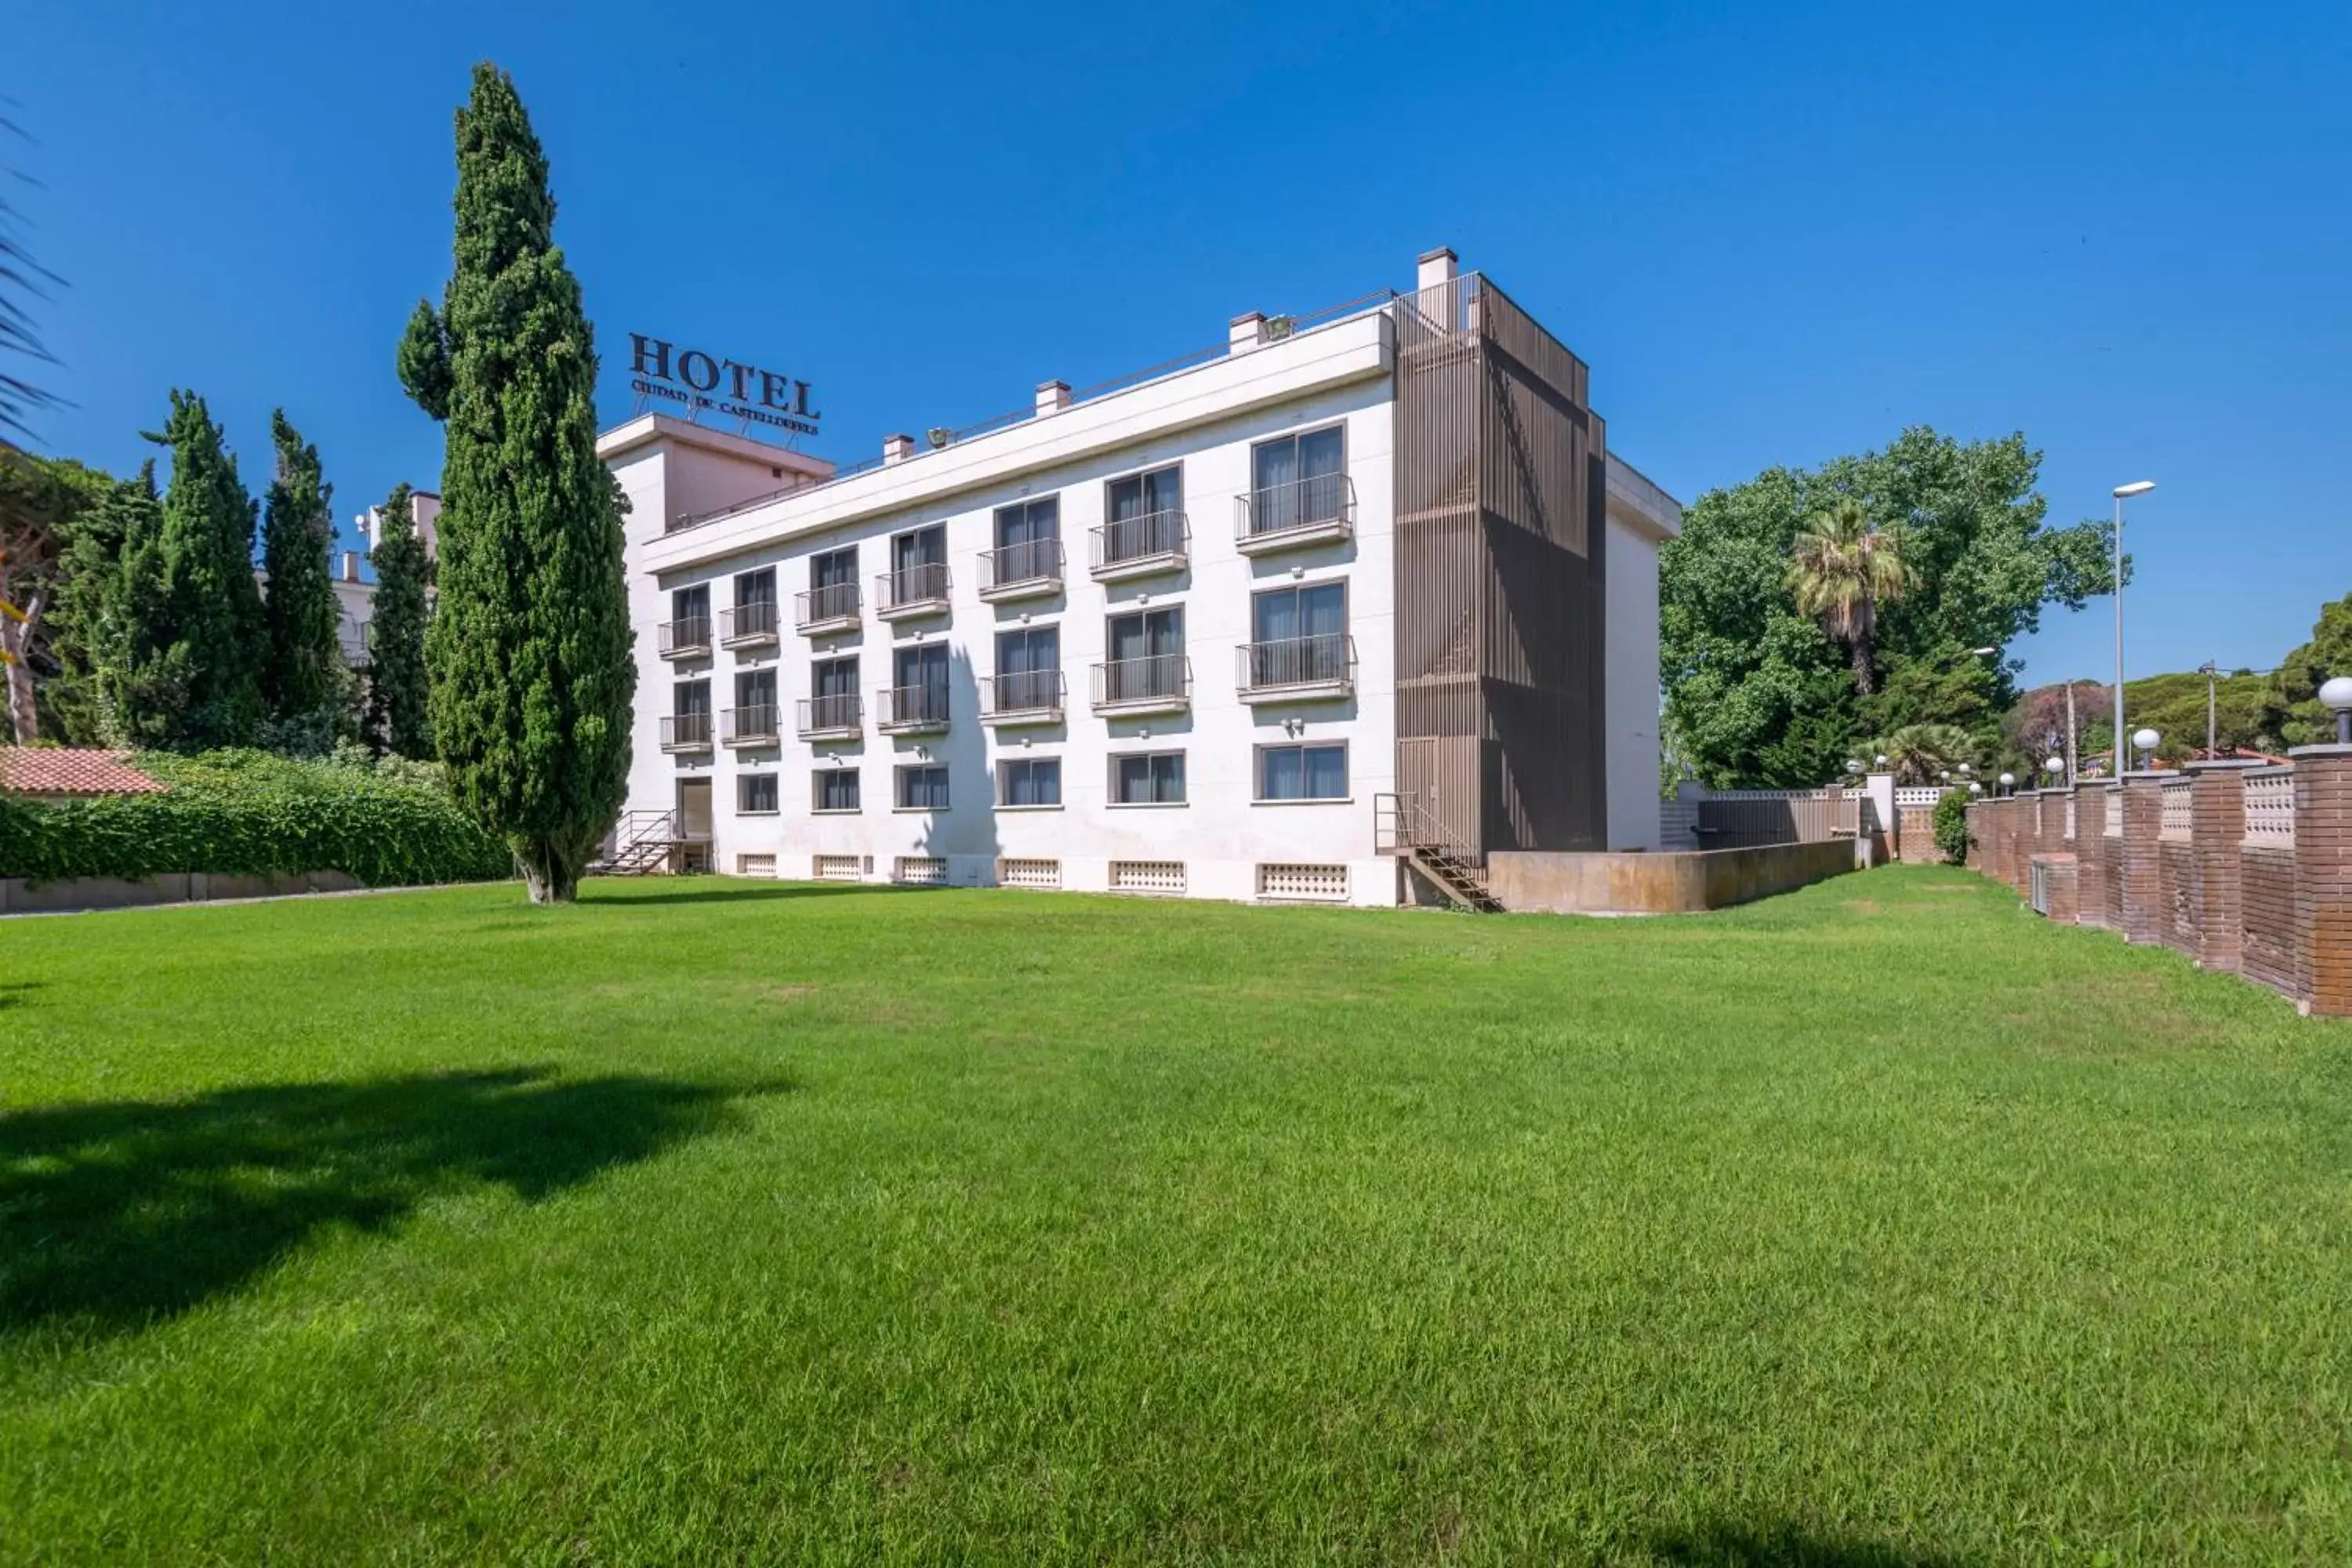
x=834, y=789
x=1155, y=493
x=1028, y=540
x=1298, y=480
x=1029, y=780
x=1299, y=636
x=923, y=788
x=1302, y=773
x=690, y=699
x=1028, y=668
x=1146, y=656
x=690, y=604
x=1148, y=778
x=833, y=676
x=755, y=692
x=755, y=795
x=918, y=566
x=833, y=569
x=756, y=588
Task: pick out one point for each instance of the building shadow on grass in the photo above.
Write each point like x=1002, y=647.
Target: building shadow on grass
x=114, y=1216
x=1726, y=1543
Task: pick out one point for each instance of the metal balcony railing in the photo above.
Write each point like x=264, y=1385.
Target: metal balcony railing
x=1320, y=506
x=1154, y=542
x=683, y=638
x=1160, y=680
x=1033, y=567
x=686, y=732
x=753, y=726
x=754, y=622
x=1324, y=664
x=911, y=588
x=835, y=604
x=1031, y=696
x=840, y=714
x=909, y=708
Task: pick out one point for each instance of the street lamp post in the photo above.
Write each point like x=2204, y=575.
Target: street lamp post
x=2146, y=739
x=2122, y=494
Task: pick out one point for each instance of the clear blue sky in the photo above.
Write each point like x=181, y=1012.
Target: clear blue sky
x=1776, y=237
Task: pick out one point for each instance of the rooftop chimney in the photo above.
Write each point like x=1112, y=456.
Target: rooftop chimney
x=1245, y=332
x=1053, y=396
x=1436, y=267
x=350, y=565
x=898, y=448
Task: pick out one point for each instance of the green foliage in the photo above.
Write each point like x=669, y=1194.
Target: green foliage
x=398, y=693
x=1924, y=753
x=42, y=502
x=211, y=638
x=304, y=678
x=529, y=645
x=119, y=617
x=1952, y=834
x=1757, y=694
x=2301, y=722
x=251, y=813
x=1843, y=569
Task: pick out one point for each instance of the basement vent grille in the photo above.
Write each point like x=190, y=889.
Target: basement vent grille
x=1317, y=884
x=924, y=871
x=838, y=867
x=755, y=865
x=1045, y=874
x=1147, y=875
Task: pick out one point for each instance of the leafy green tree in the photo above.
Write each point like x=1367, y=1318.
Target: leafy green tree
x=1952, y=834
x=115, y=614
x=397, y=721
x=2296, y=712
x=42, y=502
x=304, y=678
x=529, y=644
x=1759, y=694
x=1925, y=753
x=213, y=605
x=1845, y=569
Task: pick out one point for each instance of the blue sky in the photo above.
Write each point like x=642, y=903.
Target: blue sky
x=1776, y=235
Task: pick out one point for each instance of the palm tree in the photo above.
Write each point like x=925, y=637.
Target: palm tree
x=1843, y=570
x=1924, y=753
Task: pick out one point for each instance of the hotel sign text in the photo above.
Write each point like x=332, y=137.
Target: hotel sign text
x=737, y=390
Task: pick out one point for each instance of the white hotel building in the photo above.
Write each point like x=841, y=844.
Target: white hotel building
x=1214, y=631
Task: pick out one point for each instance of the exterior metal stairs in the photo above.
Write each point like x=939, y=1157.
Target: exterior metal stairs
x=1404, y=829
x=643, y=844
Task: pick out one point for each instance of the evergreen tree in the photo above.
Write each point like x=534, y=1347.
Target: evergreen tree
x=213, y=605
x=529, y=644
x=114, y=614
x=397, y=690
x=303, y=677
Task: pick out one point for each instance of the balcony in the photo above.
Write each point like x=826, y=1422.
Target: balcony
x=1028, y=570
x=1033, y=697
x=1298, y=669
x=753, y=726
x=1161, y=683
x=841, y=717
x=749, y=626
x=914, y=710
x=1140, y=546
x=686, y=732
x=826, y=610
x=912, y=591
x=1317, y=510
x=687, y=638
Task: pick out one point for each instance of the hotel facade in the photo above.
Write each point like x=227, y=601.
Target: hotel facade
x=1238, y=629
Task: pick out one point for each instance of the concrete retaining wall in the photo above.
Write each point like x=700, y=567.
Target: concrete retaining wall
x=1540, y=882
x=18, y=896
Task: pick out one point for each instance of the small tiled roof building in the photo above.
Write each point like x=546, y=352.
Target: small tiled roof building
x=60, y=772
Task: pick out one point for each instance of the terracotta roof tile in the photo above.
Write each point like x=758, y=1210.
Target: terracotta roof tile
x=58, y=770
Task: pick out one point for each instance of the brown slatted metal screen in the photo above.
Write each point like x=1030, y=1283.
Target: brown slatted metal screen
x=1500, y=590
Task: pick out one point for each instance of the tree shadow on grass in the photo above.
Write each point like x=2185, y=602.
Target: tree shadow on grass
x=706, y=891
x=114, y=1216
x=1726, y=1543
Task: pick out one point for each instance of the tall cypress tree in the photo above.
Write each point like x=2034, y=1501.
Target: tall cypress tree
x=397, y=690
x=213, y=605
x=303, y=677
x=529, y=646
x=120, y=617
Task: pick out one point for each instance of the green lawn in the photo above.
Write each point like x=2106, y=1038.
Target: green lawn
x=720, y=1222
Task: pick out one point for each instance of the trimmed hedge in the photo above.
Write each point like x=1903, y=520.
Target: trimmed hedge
x=1952, y=834
x=253, y=813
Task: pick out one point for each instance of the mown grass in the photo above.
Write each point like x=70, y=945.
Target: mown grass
x=704, y=1222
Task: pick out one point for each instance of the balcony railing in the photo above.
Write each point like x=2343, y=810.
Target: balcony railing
x=1032, y=697
x=1315, y=510
x=753, y=726
x=832, y=608
x=910, y=709
x=1158, y=683
x=1021, y=571
x=687, y=638
x=1321, y=666
x=918, y=590
x=1138, y=546
x=748, y=624
x=686, y=732
x=840, y=714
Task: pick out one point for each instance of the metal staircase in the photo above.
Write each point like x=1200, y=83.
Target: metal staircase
x=1401, y=826
x=644, y=843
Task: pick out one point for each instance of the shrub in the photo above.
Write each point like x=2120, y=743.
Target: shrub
x=251, y=813
x=1952, y=827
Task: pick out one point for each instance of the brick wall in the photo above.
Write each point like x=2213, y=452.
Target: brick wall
x=2143, y=916
x=2090, y=855
x=2269, y=950
x=2111, y=885
x=2323, y=877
